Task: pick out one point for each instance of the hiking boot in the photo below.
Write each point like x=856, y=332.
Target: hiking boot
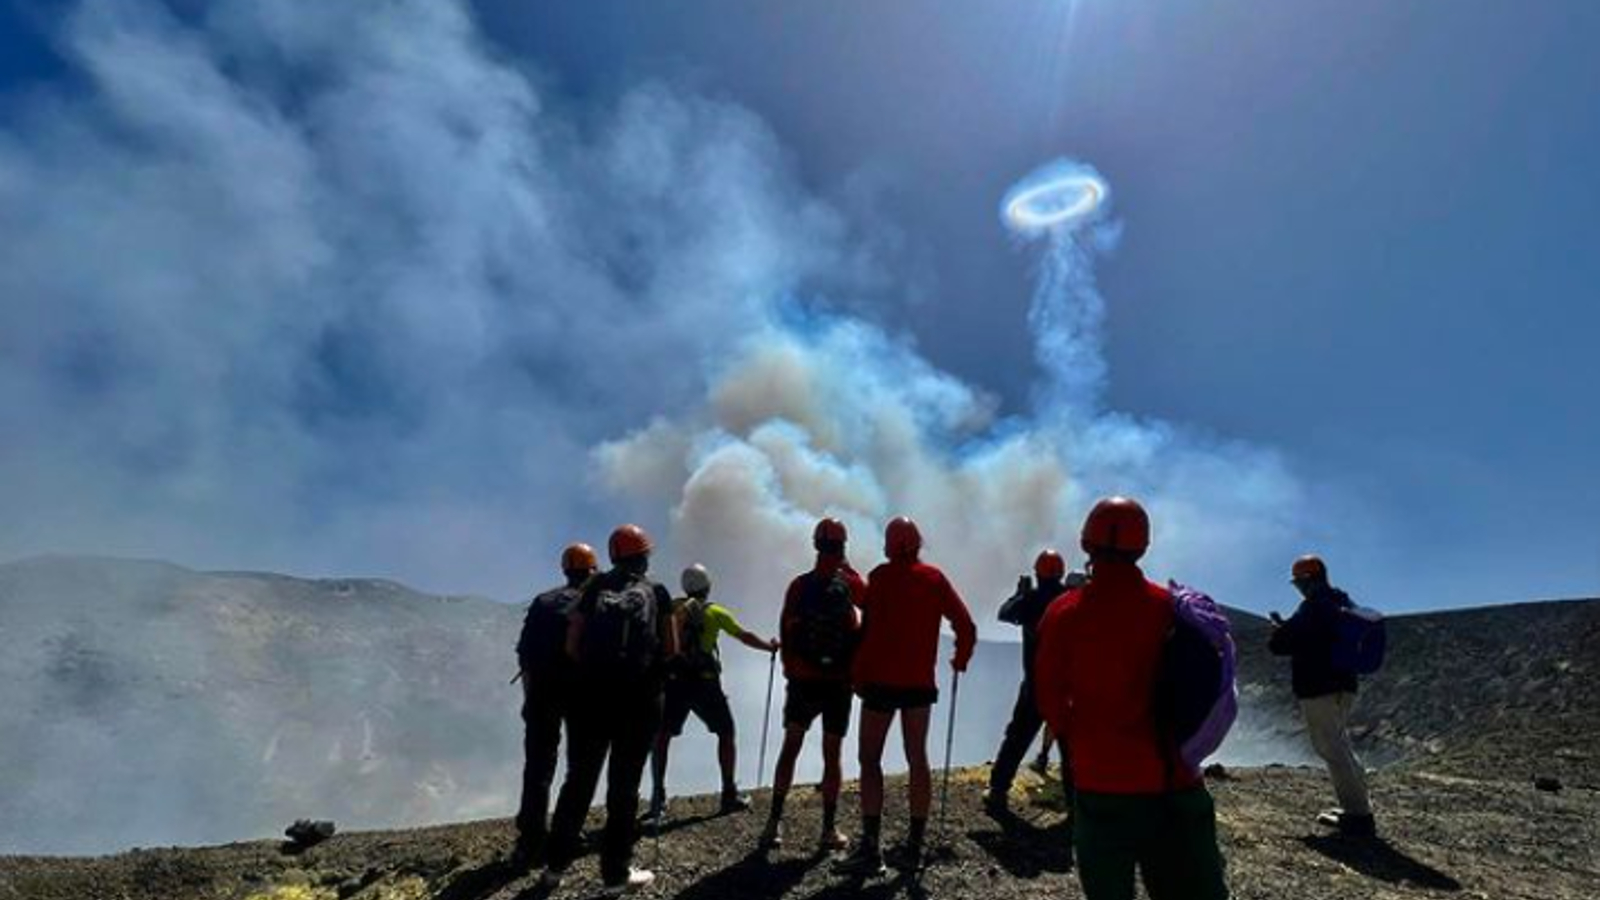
x=832, y=841
x=1348, y=824
x=996, y=802
x=771, y=836
x=637, y=880
x=865, y=862
x=551, y=878
x=909, y=857
x=1357, y=826
x=525, y=858
x=735, y=803
x=656, y=816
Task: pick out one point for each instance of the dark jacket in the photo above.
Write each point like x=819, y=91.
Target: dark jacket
x=542, y=647
x=1025, y=608
x=1307, y=639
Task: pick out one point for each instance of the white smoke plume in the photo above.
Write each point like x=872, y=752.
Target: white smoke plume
x=815, y=416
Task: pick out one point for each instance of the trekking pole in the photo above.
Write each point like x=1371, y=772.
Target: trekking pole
x=766, y=721
x=949, y=745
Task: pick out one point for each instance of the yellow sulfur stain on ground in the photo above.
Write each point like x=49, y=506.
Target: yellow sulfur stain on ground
x=295, y=892
x=409, y=888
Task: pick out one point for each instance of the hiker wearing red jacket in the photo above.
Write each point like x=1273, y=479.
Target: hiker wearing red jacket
x=1100, y=648
x=906, y=602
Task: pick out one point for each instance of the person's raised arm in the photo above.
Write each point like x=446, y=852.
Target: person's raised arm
x=729, y=624
x=1288, y=635
x=960, y=619
x=1010, y=610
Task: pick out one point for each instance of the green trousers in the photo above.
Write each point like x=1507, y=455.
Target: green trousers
x=1170, y=838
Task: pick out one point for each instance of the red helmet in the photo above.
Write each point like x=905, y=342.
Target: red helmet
x=1118, y=524
x=1050, y=566
x=1309, y=568
x=579, y=558
x=902, y=540
x=629, y=541
x=829, y=531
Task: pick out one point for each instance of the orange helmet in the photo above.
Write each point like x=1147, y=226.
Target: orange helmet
x=1050, y=566
x=629, y=541
x=579, y=558
x=829, y=531
x=1309, y=568
x=902, y=540
x=1118, y=524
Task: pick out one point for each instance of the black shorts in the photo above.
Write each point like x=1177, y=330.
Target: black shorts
x=885, y=699
x=701, y=696
x=805, y=700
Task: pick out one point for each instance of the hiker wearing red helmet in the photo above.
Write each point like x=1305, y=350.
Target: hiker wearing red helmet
x=546, y=676
x=1099, y=654
x=894, y=671
x=819, y=627
x=620, y=635
x=1024, y=609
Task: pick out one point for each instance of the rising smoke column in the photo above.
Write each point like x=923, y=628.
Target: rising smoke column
x=826, y=415
x=1065, y=205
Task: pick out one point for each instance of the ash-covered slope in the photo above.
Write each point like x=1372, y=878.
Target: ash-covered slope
x=143, y=703
x=1514, y=689
x=1443, y=836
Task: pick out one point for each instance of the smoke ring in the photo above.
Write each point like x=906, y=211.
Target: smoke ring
x=1055, y=201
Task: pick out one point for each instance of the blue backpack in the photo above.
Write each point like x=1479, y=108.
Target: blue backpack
x=1359, y=641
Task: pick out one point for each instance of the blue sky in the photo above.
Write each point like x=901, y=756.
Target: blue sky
x=1358, y=235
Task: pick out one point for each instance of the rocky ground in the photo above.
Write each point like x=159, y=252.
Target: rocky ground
x=1443, y=835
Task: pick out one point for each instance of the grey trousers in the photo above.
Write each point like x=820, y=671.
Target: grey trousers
x=1327, y=718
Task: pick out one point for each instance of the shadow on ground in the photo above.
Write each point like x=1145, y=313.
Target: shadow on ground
x=1377, y=858
x=480, y=882
x=751, y=878
x=1024, y=849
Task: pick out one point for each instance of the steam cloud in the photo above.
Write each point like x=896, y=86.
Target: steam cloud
x=817, y=415
x=334, y=288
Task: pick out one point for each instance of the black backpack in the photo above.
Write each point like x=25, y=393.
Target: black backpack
x=695, y=660
x=620, y=631
x=542, y=647
x=821, y=635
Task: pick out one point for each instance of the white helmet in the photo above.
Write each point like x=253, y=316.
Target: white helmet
x=696, y=581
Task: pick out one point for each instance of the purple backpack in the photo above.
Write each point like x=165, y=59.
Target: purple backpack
x=1196, y=697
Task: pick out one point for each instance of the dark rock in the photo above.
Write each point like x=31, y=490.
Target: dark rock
x=1546, y=783
x=1218, y=772
x=308, y=833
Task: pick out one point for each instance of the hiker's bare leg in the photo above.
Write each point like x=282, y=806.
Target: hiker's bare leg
x=914, y=733
x=728, y=759
x=832, y=771
x=658, y=767
x=794, y=738
x=874, y=732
